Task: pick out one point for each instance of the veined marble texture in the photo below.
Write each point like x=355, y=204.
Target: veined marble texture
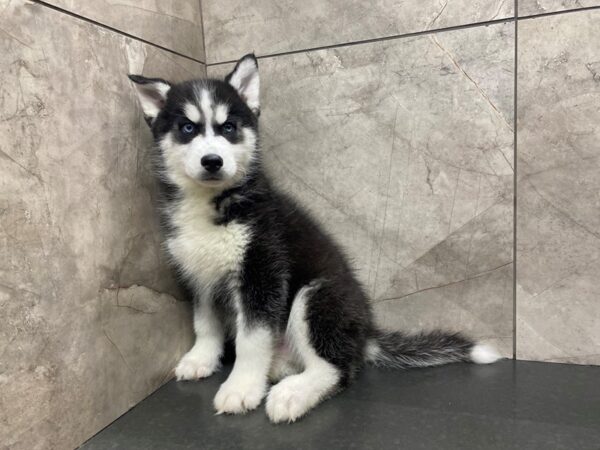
x=403, y=150
x=558, y=194
x=88, y=324
x=532, y=7
x=176, y=25
x=267, y=26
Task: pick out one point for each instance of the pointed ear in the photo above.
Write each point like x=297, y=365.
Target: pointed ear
x=152, y=93
x=244, y=78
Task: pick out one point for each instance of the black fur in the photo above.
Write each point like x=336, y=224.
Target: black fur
x=290, y=250
x=402, y=351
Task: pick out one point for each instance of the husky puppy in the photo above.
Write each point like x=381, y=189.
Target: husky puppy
x=259, y=269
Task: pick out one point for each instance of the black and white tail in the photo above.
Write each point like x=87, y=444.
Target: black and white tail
x=402, y=351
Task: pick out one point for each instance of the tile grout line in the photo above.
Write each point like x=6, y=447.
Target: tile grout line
x=514, y=19
x=113, y=29
x=557, y=13
x=412, y=34
x=515, y=163
x=203, y=36
x=377, y=39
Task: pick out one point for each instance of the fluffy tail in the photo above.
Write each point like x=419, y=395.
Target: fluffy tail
x=401, y=351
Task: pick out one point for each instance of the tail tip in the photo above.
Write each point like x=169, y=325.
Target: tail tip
x=484, y=354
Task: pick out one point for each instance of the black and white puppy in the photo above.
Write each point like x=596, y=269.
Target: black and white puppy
x=259, y=269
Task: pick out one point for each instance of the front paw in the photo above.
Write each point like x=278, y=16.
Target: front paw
x=195, y=365
x=286, y=403
x=239, y=396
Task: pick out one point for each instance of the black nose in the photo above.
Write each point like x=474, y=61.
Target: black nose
x=211, y=162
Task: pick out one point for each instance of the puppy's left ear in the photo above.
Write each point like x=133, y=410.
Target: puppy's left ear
x=244, y=78
x=152, y=93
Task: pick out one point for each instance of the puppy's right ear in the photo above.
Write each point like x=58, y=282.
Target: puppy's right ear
x=152, y=93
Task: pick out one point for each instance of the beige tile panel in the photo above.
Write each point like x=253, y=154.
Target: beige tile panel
x=558, y=213
x=176, y=25
x=403, y=149
x=533, y=7
x=89, y=323
x=268, y=26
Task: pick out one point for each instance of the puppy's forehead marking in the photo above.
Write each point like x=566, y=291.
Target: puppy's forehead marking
x=206, y=105
x=221, y=113
x=192, y=112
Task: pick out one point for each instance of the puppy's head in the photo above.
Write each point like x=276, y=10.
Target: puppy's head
x=206, y=130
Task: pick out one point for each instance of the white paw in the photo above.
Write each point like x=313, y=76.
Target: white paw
x=239, y=396
x=286, y=404
x=195, y=365
x=484, y=354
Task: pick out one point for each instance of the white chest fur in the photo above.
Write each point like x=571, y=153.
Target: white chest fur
x=205, y=251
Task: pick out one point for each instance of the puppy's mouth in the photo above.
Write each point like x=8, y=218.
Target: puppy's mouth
x=211, y=177
x=211, y=180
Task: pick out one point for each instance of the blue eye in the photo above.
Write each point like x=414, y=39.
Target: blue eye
x=228, y=128
x=188, y=128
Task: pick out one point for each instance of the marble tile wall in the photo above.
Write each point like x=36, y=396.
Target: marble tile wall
x=533, y=7
x=558, y=202
x=89, y=321
x=268, y=26
x=175, y=25
x=403, y=149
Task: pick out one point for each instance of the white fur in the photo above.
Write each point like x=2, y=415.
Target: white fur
x=182, y=161
x=246, y=81
x=206, y=105
x=221, y=113
x=246, y=386
x=204, y=250
x=295, y=395
x=152, y=97
x=372, y=350
x=249, y=140
x=207, y=252
x=484, y=354
x=204, y=357
x=192, y=112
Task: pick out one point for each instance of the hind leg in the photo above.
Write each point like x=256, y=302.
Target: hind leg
x=284, y=363
x=325, y=358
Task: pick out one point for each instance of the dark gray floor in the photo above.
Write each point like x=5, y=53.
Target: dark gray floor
x=507, y=405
